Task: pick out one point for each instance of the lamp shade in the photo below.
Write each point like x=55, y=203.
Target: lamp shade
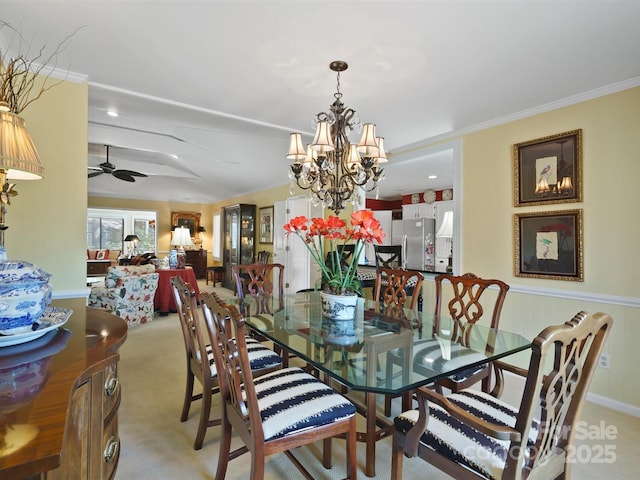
x=296, y=150
x=18, y=154
x=382, y=155
x=181, y=237
x=131, y=238
x=446, y=229
x=323, y=142
x=368, y=145
x=201, y=229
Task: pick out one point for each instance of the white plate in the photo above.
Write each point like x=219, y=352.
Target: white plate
x=51, y=318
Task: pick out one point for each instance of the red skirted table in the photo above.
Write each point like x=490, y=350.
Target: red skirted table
x=163, y=301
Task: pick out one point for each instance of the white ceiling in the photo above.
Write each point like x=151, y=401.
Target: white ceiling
x=212, y=88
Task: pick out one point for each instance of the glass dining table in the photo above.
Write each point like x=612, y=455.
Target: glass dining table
x=382, y=351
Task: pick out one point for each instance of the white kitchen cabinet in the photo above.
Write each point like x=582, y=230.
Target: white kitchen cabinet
x=418, y=210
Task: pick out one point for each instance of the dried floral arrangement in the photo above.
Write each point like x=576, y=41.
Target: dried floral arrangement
x=18, y=73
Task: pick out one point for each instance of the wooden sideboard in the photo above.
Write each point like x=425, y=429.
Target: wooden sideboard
x=198, y=260
x=66, y=408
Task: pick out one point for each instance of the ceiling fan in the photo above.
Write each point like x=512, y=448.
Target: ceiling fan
x=108, y=167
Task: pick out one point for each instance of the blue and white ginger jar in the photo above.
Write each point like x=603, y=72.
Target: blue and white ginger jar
x=25, y=292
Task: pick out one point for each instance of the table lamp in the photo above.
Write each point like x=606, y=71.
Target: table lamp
x=18, y=159
x=201, y=230
x=132, y=248
x=446, y=231
x=181, y=238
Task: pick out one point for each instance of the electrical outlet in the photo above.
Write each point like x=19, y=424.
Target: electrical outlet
x=604, y=361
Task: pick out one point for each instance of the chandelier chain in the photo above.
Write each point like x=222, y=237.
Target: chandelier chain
x=338, y=94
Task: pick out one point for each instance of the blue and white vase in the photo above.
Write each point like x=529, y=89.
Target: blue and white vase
x=338, y=307
x=173, y=259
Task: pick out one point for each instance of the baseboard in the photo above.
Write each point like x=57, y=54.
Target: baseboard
x=513, y=392
x=616, y=405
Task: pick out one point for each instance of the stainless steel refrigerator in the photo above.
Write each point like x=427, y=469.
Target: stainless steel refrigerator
x=417, y=237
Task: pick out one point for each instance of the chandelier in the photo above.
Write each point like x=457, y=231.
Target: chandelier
x=332, y=168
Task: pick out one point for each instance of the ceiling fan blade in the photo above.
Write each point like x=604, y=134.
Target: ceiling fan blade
x=123, y=175
x=95, y=174
x=132, y=173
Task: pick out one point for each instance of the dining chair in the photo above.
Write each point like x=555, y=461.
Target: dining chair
x=388, y=256
x=241, y=284
x=397, y=289
x=276, y=412
x=474, y=435
x=263, y=256
x=342, y=254
x=199, y=356
x=466, y=307
x=256, y=282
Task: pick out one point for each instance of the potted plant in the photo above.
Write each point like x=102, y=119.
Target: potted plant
x=325, y=239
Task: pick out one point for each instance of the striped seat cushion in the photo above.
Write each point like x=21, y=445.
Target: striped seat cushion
x=463, y=444
x=290, y=401
x=260, y=357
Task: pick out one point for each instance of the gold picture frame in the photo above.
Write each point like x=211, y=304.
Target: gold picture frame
x=191, y=220
x=549, y=245
x=548, y=170
x=266, y=224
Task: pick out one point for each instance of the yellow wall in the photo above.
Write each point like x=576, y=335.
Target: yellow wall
x=611, y=169
x=47, y=220
x=610, y=127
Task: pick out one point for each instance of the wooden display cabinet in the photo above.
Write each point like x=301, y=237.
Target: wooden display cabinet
x=239, y=239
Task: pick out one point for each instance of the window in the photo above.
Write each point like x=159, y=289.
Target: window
x=108, y=228
x=217, y=235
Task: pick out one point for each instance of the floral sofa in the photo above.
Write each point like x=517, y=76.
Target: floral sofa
x=128, y=292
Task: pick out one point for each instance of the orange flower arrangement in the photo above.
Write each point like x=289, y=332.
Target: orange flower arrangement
x=339, y=277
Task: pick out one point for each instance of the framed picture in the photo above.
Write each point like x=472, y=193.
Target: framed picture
x=548, y=170
x=101, y=254
x=266, y=224
x=549, y=245
x=190, y=220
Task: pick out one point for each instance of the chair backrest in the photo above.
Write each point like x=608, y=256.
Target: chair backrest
x=195, y=339
x=563, y=360
x=263, y=256
x=226, y=329
x=388, y=256
x=258, y=281
x=465, y=303
x=343, y=253
x=394, y=287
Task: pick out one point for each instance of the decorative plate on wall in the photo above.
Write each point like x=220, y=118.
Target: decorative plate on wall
x=415, y=198
x=447, y=194
x=429, y=196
